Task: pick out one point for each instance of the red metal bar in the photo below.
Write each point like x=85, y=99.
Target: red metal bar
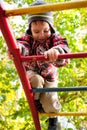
x=61, y=56
x=11, y=43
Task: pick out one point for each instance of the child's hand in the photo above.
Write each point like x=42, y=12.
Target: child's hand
x=51, y=54
x=10, y=56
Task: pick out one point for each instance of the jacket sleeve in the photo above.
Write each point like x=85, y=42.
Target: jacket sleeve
x=23, y=45
x=61, y=45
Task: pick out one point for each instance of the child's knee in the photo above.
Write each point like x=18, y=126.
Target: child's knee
x=37, y=81
x=51, y=84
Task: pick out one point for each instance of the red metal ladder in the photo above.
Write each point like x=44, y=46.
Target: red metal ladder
x=18, y=61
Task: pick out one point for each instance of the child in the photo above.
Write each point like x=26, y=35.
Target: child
x=41, y=39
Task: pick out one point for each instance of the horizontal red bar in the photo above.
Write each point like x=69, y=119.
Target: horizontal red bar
x=61, y=56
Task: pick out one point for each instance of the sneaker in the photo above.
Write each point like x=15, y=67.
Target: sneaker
x=39, y=106
x=53, y=123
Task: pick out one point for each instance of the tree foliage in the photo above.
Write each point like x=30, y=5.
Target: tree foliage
x=14, y=109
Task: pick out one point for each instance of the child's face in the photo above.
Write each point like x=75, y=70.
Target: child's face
x=40, y=30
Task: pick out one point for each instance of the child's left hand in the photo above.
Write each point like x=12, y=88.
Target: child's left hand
x=51, y=54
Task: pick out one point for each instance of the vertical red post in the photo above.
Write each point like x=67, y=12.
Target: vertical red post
x=11, y=43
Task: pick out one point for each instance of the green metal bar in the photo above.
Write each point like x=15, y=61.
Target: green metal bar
x=63, y=89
